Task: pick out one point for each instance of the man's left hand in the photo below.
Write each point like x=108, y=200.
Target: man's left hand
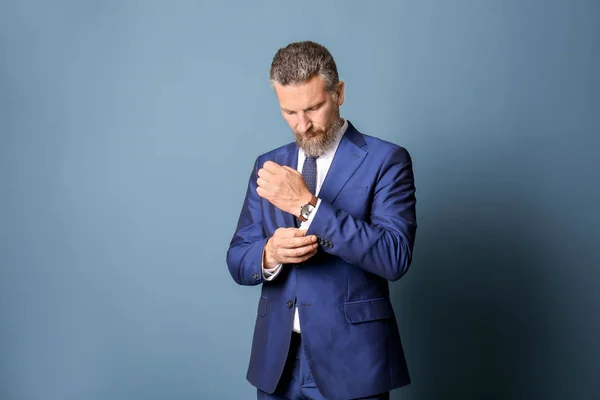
x=283, y=186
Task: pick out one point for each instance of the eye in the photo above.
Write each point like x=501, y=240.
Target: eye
x=289, y=112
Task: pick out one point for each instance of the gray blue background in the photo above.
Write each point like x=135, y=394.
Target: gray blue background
x=128, y=130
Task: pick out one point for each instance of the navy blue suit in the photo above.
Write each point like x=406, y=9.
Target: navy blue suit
x=366, y=226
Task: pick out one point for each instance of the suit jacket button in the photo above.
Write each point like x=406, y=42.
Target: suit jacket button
x=330, y=245
x=290, y=304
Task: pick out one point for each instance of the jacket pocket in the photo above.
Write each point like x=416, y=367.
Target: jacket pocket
x=262, y=306
x=368, y=310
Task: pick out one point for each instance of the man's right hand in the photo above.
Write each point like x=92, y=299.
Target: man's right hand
x=289, y=246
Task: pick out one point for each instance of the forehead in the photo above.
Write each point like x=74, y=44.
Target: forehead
x=300, y=96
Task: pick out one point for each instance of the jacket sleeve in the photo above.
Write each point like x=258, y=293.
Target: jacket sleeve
x=244, y=257
x=383, y=246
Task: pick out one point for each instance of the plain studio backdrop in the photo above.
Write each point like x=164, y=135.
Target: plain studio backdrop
x=128, y=130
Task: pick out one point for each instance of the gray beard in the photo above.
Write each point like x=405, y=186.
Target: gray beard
x=321, y=143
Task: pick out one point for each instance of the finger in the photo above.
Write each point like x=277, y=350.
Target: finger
x=262, y=192
x=295, y=171
x=294, y=242
x=271, y=166
x=310, y=254
x=298, y=251
x=281, y=234
x=289, y=233
x=298, y=232
x=298, y=260
x=263, y=183
x=263, y=173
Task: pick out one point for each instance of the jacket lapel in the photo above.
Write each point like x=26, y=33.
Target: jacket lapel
x=348, y=156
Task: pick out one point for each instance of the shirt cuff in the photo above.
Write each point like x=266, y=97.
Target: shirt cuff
x=270, y=273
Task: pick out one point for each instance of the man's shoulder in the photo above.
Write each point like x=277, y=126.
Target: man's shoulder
x=275, y=153
x=385, y=149
x=281, y=149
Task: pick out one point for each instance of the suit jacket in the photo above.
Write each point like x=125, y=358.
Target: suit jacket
x=366, y=226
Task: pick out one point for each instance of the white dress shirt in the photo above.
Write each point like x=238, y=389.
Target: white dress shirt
x=323, y=164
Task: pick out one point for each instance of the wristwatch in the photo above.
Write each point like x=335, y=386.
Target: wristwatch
x=307, y=209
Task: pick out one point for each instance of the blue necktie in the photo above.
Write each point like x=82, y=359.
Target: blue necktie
x=309, y=173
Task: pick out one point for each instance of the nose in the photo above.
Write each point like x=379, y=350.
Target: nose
x=304, y=123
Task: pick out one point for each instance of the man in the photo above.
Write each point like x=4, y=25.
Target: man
x=327, y=221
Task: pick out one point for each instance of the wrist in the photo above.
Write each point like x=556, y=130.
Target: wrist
x=269, y=260
x=302, y=200
x=306, y=207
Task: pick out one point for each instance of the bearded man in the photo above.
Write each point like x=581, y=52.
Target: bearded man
x=328, y=220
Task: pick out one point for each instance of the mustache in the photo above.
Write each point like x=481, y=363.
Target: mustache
x=312, y=131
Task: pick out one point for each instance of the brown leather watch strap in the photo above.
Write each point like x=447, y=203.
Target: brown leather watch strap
x=313, y=202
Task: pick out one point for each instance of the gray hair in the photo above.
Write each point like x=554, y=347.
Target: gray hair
x=300, y=61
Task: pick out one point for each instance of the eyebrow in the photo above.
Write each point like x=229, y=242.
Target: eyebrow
x=320, y=103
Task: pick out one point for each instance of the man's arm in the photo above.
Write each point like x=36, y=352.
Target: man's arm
x=251, y=252
x=245, y=254
x=384, y=245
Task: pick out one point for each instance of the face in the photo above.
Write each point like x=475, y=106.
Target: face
x=312, y=112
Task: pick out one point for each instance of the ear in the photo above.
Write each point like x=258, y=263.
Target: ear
x=339, y=93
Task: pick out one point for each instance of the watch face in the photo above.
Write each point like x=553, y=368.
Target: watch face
x=306, y=210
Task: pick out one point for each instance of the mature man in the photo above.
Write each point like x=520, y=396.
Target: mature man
x=327, y=221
